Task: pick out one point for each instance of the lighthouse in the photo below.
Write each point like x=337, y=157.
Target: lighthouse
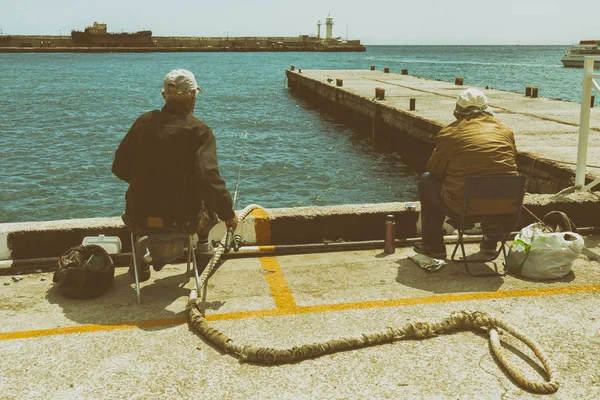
x=329, y=27
x=319, y=29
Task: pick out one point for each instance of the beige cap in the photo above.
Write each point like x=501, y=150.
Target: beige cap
x=472, y=101
x=179, y=81
x=472, y=98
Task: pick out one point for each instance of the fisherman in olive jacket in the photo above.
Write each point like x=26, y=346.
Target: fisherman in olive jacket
x=169, y=159
x=476, y=143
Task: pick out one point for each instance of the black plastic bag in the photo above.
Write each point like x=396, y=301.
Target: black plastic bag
x=84, y=271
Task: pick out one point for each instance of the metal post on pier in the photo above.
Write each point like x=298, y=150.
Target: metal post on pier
x=584, y=122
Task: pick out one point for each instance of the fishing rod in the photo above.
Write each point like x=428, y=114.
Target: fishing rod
x=229, y=236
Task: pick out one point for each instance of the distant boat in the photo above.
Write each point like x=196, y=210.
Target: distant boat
x=574, y=57
x=97, y=35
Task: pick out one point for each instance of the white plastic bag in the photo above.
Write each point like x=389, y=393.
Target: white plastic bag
x=536, y=254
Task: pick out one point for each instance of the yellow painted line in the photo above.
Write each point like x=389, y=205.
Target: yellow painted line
x=297, y=310
x=411, y=301
x=92, y=328
x=262, y=226
x=279, y=288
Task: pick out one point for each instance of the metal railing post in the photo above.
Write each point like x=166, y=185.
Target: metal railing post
x=584, y=122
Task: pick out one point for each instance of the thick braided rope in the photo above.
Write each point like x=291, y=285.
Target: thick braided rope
x=538, y=387
x=219, y=250
x=196, y=318
x=463, y=320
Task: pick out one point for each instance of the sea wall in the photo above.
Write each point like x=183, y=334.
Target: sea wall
x=53, y=43
x=35, y=41
x=44, y=241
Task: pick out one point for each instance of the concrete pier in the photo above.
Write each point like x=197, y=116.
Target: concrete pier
x=110, y=347
x=546, y=130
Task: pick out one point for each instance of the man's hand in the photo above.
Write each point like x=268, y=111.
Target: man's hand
x=233, y=223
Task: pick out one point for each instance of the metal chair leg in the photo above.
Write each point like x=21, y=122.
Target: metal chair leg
x=189, y=258
x=135, y=269
x=502, y=249
x=503, y=245
x=458, y=242
x=196, y=270
x=464, y=254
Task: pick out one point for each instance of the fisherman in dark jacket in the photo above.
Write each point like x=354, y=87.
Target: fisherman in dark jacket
x=169, y=159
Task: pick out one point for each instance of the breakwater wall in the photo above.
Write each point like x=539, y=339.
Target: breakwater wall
x=39, y=243
x=57, y=44
x=404, y=113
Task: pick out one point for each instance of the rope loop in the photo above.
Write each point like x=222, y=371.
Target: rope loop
x=551, y=386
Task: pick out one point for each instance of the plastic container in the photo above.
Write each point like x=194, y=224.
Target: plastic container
x=112, y=244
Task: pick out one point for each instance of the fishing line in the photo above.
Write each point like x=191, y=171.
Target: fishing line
x=229, y=236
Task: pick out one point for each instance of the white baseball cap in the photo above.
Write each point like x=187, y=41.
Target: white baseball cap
x=180, y=80
x=473, y=100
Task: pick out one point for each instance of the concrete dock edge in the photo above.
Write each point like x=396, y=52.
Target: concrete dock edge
x=276, y=226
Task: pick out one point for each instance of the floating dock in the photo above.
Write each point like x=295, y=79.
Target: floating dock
x=410, y=107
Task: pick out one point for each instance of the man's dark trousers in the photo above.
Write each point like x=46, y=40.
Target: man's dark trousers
x=433, y=212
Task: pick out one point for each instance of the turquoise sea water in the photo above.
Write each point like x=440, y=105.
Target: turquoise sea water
x=63, y=115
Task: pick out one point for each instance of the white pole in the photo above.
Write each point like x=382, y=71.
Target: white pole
x=584, y=122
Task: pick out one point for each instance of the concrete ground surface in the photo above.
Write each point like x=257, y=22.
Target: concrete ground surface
x=111, y=348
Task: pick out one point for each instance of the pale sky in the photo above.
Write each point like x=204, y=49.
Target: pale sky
x=371, y=21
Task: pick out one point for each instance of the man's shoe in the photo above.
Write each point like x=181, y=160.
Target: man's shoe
x=422, y=248
x=488, y=246
x=143, y=271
